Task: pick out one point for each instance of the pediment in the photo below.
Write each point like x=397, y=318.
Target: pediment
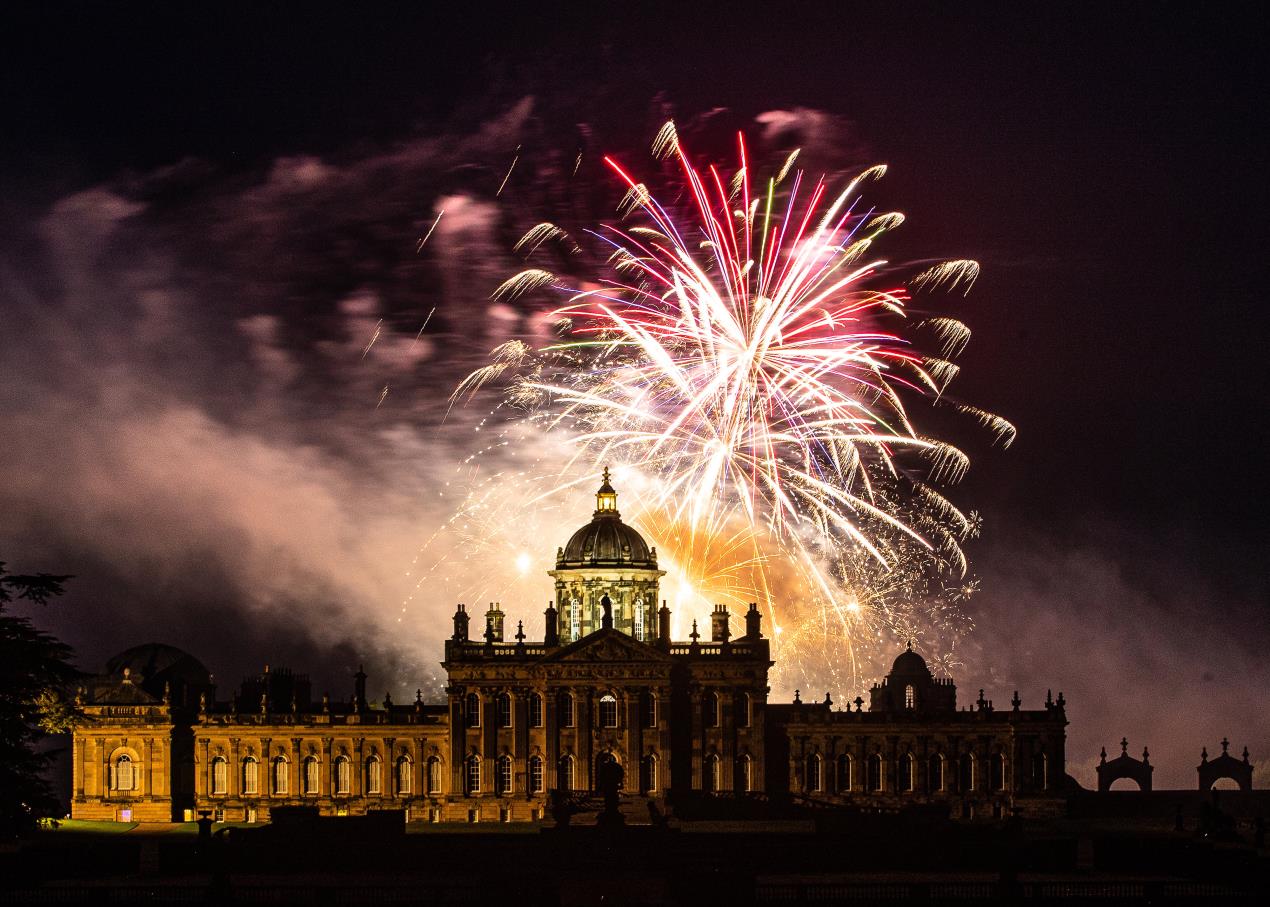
x=608, y=646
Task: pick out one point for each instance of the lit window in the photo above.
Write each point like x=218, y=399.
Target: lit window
x=374, y=775
x=404, y=775
x=608, y=710
x=125, y=778
x=251, y=777
x=281, y=777
x=473, y=710
x=712, y=710
x=814, y=779
x=575, y=619
x=969, y=776
x=342, y=775
x=564, y=776
x=503, y=778
x=566, y=710
x=937, y=772
x=504, y=710
x=710, y=775
x=906, y=772
x=473, y=775
x=434, y=775
x=220, y=776
x=535, y=710
x=875, y=773
x=639, y=617
x=743, y=782
x=846, y=766
x=535, y=775
x=311, y=782
x=910, y=697
x=648, y=773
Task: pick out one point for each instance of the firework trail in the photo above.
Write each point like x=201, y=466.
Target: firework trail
x=741, y=355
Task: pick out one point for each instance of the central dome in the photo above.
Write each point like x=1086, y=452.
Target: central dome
x=606, y=541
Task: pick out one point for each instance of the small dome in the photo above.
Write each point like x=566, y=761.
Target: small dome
x=156, y=660
x=606, y=541
x=909, y=663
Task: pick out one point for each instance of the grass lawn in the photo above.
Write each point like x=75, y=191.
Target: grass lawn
x=96, y=826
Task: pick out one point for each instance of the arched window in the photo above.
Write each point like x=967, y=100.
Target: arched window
x=814, y=780
x=472, y=776
x=638, y=608
x=1040, y=774
x=434, y=775
x=220, y=776
x=711, y=710
x=251, y=776
x=910, y=697
x=281, y=776
x=742, y=780
x=845, y=772
x=503, y=775
x=566, y=710
x=575, y=619
x=504, y=709
x=710, y=774
x=125, y=777
x=874, y=771
x=535, y=710
x=937, y=772
x=564, y=774
x=648, y=708
x=997, y=767
x=374, y=775
x=648, y=773
x=608, y=710
x=535, y=775
x=968, y=778
x=908, y=767
x=405, y=776
x=473, y=710
x=343, y=775
x=745, y=711
x=311, y=783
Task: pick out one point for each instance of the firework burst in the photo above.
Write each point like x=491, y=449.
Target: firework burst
x=751, y=363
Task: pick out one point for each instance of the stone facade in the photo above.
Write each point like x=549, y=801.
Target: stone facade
x=529, y=722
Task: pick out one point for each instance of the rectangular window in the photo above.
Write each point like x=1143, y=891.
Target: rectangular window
x=566, y=710
x=220, y=776
x=504, y=710
x=535, y=710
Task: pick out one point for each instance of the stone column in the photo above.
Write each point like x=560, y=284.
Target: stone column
x=327, y=776
x=294, y=786
x=550, y=702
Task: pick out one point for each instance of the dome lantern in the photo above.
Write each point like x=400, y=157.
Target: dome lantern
x=606, y=498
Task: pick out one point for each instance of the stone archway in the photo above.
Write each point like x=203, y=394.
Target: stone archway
x=1124, y=766
x=1224, y=766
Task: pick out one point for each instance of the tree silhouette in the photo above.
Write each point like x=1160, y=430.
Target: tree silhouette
x=34, y=672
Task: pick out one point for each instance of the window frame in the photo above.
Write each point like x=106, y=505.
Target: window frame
x=472, y=775
x=432, y=775
x=251, y=776
x=472, y=708
x=117, y=774
x=220, y=776
x=607, y=712
x=815, y=780
x=504, y=776
x=281, y=772
x=535, y=710
x=537, y=777
x=710, y=710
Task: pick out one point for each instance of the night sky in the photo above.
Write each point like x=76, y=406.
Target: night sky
x=206, y=210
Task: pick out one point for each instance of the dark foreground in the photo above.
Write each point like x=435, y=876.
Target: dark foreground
x=860, y=859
